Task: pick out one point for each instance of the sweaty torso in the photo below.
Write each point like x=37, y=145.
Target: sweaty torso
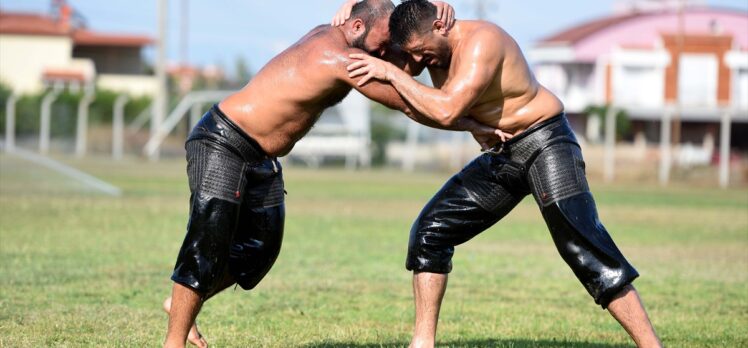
x=514, y=100
x=284, y=100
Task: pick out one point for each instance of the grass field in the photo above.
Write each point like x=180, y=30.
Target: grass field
x=80, y=269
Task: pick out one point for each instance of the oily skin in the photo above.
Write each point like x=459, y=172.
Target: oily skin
x=477, y=70
x=282, y=102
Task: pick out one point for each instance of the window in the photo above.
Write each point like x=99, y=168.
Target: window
x=741, y=89
x=697, y=80
x=639, y=86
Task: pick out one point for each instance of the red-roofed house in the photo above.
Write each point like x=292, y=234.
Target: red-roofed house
x=645, y=61
x=37, y=51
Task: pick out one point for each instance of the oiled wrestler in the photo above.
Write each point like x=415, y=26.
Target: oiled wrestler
x=478, y=70
x=237, y=211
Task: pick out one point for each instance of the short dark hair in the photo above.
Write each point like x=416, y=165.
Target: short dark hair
x=409, y=18
x=371, y=10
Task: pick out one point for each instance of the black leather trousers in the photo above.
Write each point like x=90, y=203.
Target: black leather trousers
x=544, y=161
x=236, y=208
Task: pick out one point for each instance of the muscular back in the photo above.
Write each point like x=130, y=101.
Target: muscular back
x=285, y=99
x=513, y=100
x=282, y=102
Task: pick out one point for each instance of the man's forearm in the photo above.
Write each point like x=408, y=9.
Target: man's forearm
x=428, y=122
x=432, y=103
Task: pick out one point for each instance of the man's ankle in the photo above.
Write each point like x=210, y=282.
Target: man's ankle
x=168, y=344
x=419, y=342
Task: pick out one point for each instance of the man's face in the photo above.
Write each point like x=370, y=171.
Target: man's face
x=431, y=49
x=375, y=39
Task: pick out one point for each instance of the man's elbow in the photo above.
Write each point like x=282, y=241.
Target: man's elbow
x=448, y=118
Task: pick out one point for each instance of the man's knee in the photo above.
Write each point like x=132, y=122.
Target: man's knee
x=201, y=262
x=424, y=253
x=256, y=246
x=250, y=261
x=587, y=247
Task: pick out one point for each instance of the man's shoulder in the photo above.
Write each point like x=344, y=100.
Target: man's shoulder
x=484, y=30
x=484, y=39
x=326, y=45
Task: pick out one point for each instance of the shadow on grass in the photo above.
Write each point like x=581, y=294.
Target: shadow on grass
x=492, y=343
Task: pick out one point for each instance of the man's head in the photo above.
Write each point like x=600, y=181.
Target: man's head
x=415, y=28
x=369, y=25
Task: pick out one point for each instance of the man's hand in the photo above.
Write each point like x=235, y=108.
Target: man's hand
x=485, y=135
x=444, y=12
x=343, y=13
x=369, y=67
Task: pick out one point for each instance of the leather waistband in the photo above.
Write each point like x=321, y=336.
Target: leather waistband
x=215, y=125
x=527, y=145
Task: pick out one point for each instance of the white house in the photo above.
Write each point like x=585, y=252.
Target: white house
x=650, y=57
x=38, y=50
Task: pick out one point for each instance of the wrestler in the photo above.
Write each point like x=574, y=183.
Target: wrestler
x=479, y=70
x=237, y=198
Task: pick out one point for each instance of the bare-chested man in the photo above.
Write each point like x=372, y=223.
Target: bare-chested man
x=236, y=204
x=479, y=70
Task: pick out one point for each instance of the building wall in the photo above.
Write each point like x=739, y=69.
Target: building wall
x=637, y=77
x=134, y=85
x=648, y=30
x=113, y=60
x=705, y=45
x=23, y=58
x=573, y=83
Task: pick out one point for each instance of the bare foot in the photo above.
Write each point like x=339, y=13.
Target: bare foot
x=194, y=337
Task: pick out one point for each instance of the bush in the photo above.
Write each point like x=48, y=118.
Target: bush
x=4, y=95
x=623, y=122
x=383, y=131
x=65, y=111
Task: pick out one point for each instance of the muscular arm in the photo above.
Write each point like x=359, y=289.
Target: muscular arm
x=386, y=95
x=403, y=61
x=479, y=62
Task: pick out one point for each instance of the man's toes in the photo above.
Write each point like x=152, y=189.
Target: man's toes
x=198, y=341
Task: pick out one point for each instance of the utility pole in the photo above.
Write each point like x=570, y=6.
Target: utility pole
x=162, y=94
x=184, y=32
x=480, y=9
x=680, y=42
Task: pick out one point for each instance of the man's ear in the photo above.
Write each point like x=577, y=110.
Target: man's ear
x=357, y=26
x=439, y=27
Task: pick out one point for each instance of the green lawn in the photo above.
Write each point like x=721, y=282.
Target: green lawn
x=80, y=269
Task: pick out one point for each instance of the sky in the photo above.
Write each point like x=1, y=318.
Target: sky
x=221, y=31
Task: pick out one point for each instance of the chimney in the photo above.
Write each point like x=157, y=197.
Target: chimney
x=65, y=14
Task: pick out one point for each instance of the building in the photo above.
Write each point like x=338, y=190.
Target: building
x=650, y=58
x=188, y=77
x=38, y=50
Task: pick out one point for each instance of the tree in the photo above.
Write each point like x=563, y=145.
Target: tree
x=242, y=73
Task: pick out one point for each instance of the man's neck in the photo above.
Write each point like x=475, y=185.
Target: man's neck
x=348, y=40
x=454, y=35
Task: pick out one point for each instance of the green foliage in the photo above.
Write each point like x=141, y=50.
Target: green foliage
x=623, y=122
x=77, y=267
x=65, y=111
x=5, y=93
x=102, y=107
x=243, y=73
x=383, y=131
x=28, y=109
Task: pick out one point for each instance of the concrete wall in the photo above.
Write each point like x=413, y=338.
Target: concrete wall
x=23, y=59
x=134, y=85
x=113, y=60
